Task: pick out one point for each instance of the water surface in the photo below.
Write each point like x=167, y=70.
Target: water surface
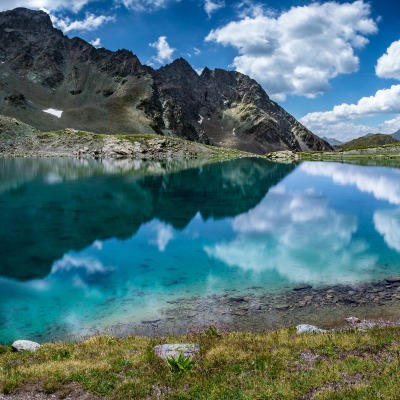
x=87, y=245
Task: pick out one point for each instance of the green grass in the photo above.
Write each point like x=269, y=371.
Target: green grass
x=381, y=146
x=136, y=136
x=383, y=152
x=64, y=132
x=276, y=365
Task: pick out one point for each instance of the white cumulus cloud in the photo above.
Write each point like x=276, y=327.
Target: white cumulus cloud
x=96, y=43
x=90, y=23
x=343, y=131
x=210, y=6
x=145, y=5
x=388, y=66
x=52, y=5
x=392, y=125
x=384, y=101
x=164, y=50
x=77, y=5
x=300, y=50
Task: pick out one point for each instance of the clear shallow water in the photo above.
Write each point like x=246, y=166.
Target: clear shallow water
x=85, y=245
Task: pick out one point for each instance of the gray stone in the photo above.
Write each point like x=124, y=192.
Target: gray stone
x=302, y=287
x=173, y=350
x=393, y=279
x=25, y=345
x=282, y=306
x=353, y=320
x=304, y=328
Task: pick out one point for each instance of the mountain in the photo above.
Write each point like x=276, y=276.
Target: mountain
x=396, y=135
x=332, y=141
x=377, y=139
x=98, y=90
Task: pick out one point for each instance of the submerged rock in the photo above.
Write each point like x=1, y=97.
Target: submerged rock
x=393, y=279
x=25, y=345
x=302, y=287
x=304, y=328
x=174, y=350
x=282, y=306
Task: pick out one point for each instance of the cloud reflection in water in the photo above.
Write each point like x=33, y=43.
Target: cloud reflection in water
x=382, y=183
x=387, y=223
x=300, y=237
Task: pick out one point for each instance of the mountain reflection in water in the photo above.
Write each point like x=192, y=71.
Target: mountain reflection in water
x=55, y=206
x=88, y=244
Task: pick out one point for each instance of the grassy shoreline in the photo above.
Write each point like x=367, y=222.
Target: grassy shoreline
x=379, y=153
x=347, y=364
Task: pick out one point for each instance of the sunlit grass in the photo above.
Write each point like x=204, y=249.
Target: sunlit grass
x=281, y=364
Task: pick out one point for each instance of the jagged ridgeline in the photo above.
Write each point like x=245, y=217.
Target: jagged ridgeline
x=112, y=92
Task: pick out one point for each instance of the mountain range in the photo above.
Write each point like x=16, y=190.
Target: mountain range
x=51, y=81
x=396, y=135
x=332, y=141
x=370, y=140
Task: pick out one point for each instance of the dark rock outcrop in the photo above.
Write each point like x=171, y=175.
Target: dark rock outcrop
x=13, y=133
x=112, y=92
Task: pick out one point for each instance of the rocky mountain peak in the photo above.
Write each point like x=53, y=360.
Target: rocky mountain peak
x=24, y=19
x=178, y=69
x=112, y=92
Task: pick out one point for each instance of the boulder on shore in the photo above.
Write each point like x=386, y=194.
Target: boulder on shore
x=303, y=328
x=25, y=345
x=173, y=350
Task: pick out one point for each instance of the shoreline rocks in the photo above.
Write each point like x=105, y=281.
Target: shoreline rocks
x=283, y=155
x=259, y=311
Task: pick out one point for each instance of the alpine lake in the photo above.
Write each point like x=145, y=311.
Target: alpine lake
x=145, y=247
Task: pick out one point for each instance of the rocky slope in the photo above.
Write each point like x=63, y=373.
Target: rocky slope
x=112, y=92
x=13, y=133
x=19, y=139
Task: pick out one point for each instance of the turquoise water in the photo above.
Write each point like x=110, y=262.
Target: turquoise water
x=85, y=245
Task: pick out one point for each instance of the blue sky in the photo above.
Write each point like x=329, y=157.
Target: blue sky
x=334, y=65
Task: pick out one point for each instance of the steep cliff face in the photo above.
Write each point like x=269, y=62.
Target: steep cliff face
x=112, y=92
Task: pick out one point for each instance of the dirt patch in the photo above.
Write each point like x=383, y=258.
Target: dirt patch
x=307, y=360
x=71, y=391
x=347, y=381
